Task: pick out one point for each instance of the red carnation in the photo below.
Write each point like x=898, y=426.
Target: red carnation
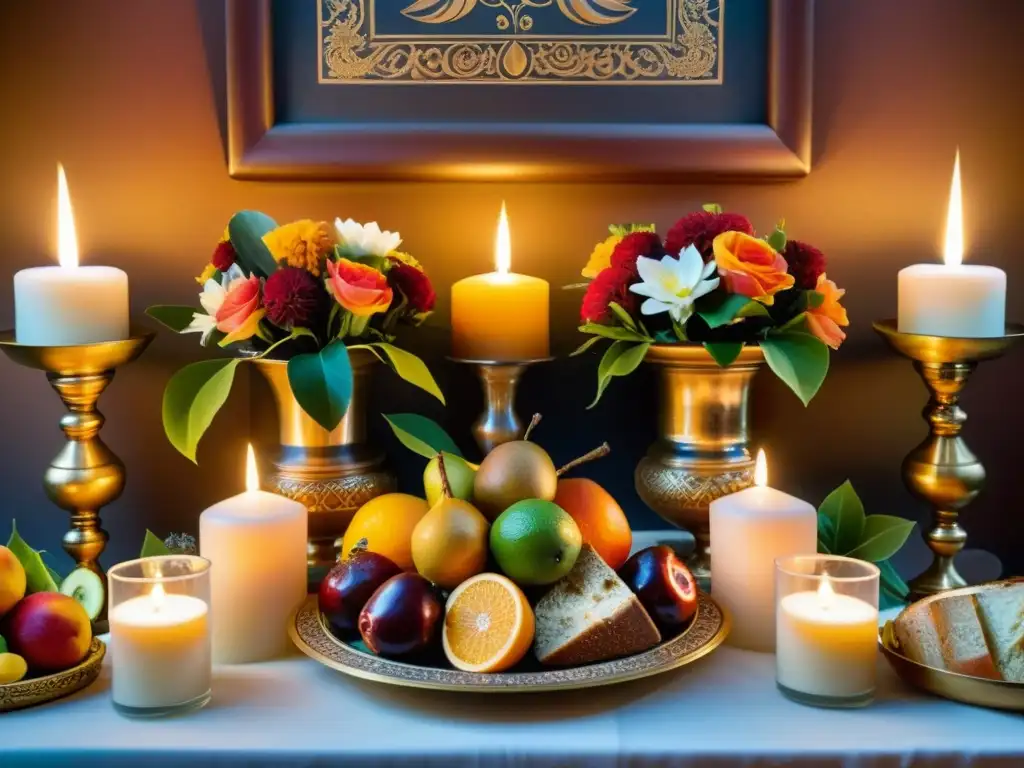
x=611, y=284
x=224, y=256
x=700, y=229
x=806, y=264
x=635, y=245
x=414, y=285
x=291, y=296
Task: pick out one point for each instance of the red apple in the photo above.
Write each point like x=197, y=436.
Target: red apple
x=349, y=585
x=664, y=585
x=49, y=630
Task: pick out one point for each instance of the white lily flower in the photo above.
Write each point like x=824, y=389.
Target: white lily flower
x=365, y=240
x=673, y=284
x=211, y=298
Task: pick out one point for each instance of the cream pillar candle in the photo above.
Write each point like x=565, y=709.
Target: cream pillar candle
x=953, y=299
x=749, y=530
x=69, y=304
x=500, y=316
x=256, y=542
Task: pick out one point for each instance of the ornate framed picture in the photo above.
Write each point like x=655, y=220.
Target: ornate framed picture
x=518, y=89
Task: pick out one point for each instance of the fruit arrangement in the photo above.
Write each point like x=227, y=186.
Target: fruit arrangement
x=448, y=576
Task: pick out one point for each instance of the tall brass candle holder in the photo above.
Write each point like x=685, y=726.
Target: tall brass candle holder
x=942, y=470
x=85, y=475
x=499, y=423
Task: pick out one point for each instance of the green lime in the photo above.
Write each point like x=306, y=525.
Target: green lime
x=535, y=542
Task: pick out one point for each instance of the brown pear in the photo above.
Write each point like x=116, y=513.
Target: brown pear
x=513, y=472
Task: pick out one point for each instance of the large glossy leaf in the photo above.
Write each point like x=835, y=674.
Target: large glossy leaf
x=620, y=359
x=421, y=435
x=405, y=364
x=38, y=577
x=153, y=546
x=845, y=511
x=893, y=591
x=192, y=398
x=799, y=359
x=826, y=535
x=724, y=352
x=719, y=309
x=175, y=317
x=322, y=383
x=615, y=332
x=246, y=230
x=881, y=538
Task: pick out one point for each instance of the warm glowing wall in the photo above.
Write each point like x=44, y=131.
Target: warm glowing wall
x=128, y=94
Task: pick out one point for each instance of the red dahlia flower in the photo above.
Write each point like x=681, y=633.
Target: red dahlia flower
x=224, y=256
x=291, y=296
x=635, y=245
x=414, y=285
x=806, y=264
x=700, y=229
x=611, y=284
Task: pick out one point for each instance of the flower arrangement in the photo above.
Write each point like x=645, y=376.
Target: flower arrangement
x=306, y=292
x=712, y=281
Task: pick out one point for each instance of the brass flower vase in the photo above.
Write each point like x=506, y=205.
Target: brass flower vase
x=332, y=473
x=701, y=452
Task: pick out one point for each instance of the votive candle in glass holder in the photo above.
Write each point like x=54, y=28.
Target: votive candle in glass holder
x=826, y=623
x=160, y=635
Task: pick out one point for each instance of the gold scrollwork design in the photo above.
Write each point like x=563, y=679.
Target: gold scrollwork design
x=350, y=55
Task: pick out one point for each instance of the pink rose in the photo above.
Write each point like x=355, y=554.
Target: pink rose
x=239, y=314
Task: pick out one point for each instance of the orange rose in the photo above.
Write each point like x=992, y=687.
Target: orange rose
x=824, y=321
x=751, y=267
x=239, y=314
x=359, y=288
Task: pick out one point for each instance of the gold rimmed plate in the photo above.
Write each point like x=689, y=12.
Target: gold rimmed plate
x=39, y=690
x=705, y=633
x=979, y=691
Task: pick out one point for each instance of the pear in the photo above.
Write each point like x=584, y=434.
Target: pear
x=460, y=476
x=449, y=543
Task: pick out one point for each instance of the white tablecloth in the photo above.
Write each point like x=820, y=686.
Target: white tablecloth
x=723, y=710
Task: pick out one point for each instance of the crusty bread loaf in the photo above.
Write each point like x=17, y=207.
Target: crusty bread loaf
x=591, y=615
x=979, y=634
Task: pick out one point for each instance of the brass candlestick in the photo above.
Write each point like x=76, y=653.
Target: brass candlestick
x=499, y=423
x=942, y=470
x=85, y=475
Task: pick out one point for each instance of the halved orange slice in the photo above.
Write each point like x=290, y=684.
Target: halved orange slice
x=488, y=624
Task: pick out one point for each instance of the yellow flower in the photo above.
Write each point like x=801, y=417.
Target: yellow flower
x=405, y=258
x=208, y=272
x=303, y=244
x=601, y=257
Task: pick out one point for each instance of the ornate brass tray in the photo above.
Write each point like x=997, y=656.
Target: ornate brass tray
x=705, y=633
x=39, y=690
x=980, y=691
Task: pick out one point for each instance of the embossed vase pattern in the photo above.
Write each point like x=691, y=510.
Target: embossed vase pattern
x=331, y=473
x=701, y=452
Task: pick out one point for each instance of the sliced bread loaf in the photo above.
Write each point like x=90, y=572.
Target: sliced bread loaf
x=1002, y=612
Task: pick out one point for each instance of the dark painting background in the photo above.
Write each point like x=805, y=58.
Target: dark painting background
x=128, y=94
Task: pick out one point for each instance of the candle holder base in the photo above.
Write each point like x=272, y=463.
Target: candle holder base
x=499, y=423
x=942, y=470
x=827, y=702
x=86, y=475
x=173, y=710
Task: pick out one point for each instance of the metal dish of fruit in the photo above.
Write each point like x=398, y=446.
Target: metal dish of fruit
x=39, y=690
x=966, y=645
x=594, y=627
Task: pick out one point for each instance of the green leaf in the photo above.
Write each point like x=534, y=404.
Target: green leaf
x=893, y=590
x=799, y=359
x=57, y=578
x=37, y=576
x=322, y=383
x=620, y=359
x=722, y=308
x=845, y=510
x=665, y=337
x=191, y=400
x=406, y=365
x=623, y=316
x=613, y=332
x=421, y=435
x=777, y=239
x=175, y=317
x=724, y=352
x=246, y=230
x=882, y=537
x=712, y=207
x=153, y=546
x=795, y=324
x=585, y=346
x=813, y=299
x=826, y=534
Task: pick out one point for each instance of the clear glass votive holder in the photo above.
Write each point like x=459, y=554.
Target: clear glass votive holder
x=160, y=635
x=826, y=630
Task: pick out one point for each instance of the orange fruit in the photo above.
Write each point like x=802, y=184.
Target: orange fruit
x=488, y=624
x=599, y=518
x=386, y=523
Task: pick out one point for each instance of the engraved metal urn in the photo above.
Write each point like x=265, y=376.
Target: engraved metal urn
x=701, y=452
x=331, y=473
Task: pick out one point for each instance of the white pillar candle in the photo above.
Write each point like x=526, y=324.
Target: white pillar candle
x=69, y=304
x=826, y=644
x=953, y=299
x=159, y=650
x=256, y=542
x=749, y=530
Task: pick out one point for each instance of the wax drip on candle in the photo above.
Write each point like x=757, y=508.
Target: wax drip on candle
x=761, y=470
x=826, y=594
x=67, y=242
x=954, y=253
x=503, y=244
x=252, y=475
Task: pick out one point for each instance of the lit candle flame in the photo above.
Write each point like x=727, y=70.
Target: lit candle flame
x=954, y=255
x=826, y=594
x=503, y=244
x=158, y=596
x=252, y=476
x=761, y=470
x=67, y=242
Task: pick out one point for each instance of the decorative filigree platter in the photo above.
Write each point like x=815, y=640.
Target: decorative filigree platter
x=705, y=633
x=39, y=690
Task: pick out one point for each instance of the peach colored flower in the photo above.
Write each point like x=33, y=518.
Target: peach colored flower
x=824, y=321
x=751, y=267
x=239, y=314
x=359, y=288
